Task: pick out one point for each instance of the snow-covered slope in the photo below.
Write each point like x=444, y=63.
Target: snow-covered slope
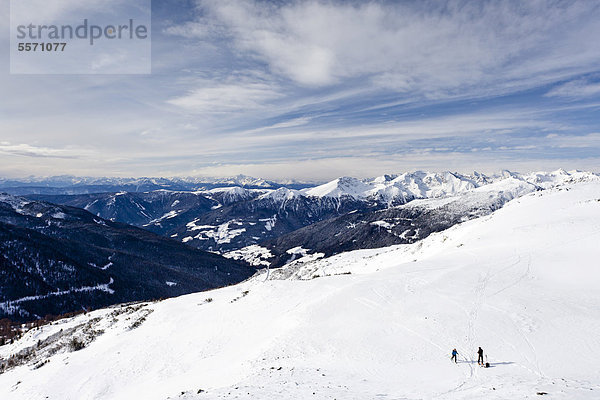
x=370, y=324
x=396, y=188
x=558, y=177
x=344, y=186
x=229, y=195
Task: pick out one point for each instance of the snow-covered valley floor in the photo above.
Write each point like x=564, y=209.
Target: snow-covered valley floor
x=522, y=283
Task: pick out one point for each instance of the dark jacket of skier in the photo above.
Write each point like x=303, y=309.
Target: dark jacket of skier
x=480, y=358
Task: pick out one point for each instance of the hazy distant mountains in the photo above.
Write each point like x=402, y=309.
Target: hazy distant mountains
x=85, y=185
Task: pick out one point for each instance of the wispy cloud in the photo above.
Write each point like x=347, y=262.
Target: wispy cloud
x=226, y=98
x=290, y=123
x=587, y=141
x=27, y=150
x=576, y=89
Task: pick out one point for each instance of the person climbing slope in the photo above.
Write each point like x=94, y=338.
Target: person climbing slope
x=480, y=358
x=454, y=354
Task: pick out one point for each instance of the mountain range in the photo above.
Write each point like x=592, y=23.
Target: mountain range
x=235, y=219
x=56, y=259
x=84, y=185
x=64, y=252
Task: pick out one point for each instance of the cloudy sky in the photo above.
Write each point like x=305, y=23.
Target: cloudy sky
x=318, y=89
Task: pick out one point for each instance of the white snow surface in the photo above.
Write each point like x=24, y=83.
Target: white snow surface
x=220, y=233
x=281, y=194
x=345, y=186
x=269, y=222
x=168, y=215
x=234, y=193
x=522, y=283
x=502, y=191
x=299, y=258
x=254, y=255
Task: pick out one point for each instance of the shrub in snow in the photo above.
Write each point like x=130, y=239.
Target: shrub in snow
x=76, y=344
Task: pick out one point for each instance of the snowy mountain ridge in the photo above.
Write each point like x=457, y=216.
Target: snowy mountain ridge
x=405, y=223
x=69, y=180
x=419, y=185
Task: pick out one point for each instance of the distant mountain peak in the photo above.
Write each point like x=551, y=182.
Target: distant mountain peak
x=282, y=194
